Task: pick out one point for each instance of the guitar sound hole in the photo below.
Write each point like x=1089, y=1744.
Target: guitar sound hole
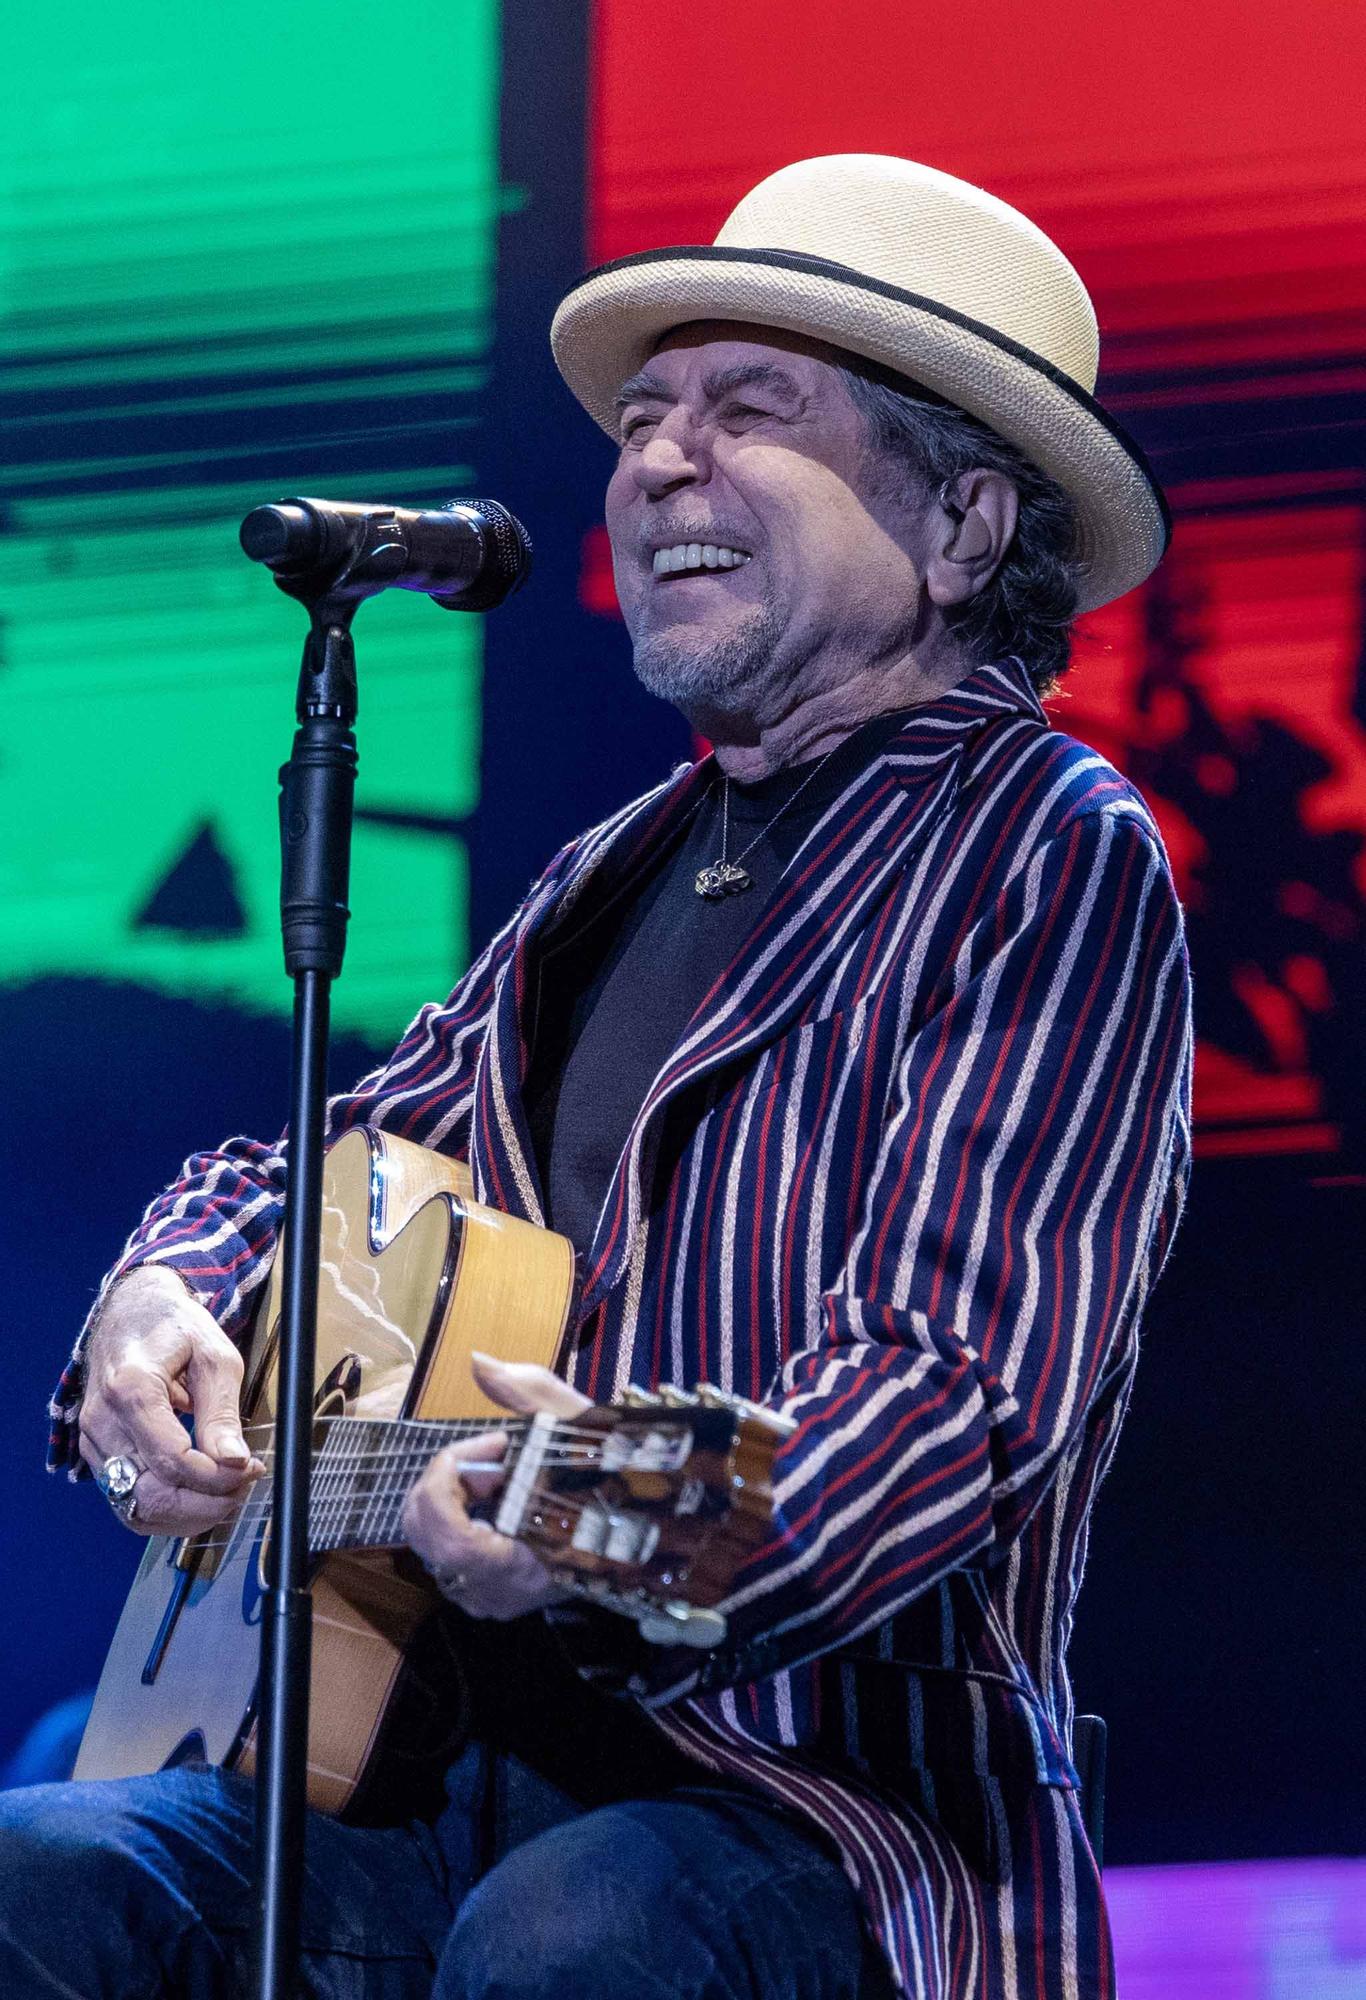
x=191, y=1749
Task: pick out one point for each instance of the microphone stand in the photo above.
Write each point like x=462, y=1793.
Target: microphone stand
x=316, y=793
x=330, y=556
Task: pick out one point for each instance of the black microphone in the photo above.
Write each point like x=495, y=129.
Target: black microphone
x=468, y=555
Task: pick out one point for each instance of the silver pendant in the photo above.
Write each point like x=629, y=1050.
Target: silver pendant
x=723, y=878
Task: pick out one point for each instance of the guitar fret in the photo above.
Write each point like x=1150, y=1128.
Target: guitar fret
x=328, y=1482
x=375, y=1473
x=339, y=1508
x=338, y=1446
x=390, y=1534
x=355, y=1504
x=370, y=1466
x=364, y=1469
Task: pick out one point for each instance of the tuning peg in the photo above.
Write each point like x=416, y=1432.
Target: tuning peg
x=678, y=1624
x=671, y=1398
x=724, y=1399
x=713, y=1398
x=635, y=1398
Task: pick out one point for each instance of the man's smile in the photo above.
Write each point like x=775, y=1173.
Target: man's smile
x=697, y=559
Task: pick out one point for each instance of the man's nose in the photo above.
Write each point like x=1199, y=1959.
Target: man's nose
x=674, y=455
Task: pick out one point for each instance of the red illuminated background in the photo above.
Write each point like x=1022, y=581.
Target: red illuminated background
x=1205, y=169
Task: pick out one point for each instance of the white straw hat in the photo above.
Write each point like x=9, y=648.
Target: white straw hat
x=923, y=273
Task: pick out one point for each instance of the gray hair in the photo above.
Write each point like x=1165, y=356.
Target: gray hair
x=1030, y=603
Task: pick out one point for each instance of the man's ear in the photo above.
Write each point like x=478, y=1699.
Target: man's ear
x=971, y=524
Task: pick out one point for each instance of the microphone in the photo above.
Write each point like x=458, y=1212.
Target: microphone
x=467, y=556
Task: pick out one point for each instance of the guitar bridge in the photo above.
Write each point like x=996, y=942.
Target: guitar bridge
x=199, y=1555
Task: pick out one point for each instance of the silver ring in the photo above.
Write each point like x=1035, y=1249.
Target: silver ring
x=116, y=1479
x=451, y=1582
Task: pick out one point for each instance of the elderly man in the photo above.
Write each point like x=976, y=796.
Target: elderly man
x=853, y=1061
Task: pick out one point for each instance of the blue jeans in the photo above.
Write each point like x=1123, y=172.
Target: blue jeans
x=135, y=1888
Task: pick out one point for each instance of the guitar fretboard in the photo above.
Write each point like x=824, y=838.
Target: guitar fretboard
x=364, y=1469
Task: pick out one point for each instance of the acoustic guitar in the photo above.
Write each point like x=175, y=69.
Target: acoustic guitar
x=647, y=1507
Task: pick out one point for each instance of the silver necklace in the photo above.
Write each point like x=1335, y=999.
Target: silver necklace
x=723, y=877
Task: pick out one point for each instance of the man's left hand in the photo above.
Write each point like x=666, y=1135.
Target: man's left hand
x=487, y=1574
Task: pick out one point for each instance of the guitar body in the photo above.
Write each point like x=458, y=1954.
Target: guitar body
x=415, y=1274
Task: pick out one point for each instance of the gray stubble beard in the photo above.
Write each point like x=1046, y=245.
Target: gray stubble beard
x=717, y=673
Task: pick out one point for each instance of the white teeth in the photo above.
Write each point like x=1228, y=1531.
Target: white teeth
x=696, y=556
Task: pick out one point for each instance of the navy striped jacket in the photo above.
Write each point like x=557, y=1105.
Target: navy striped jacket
x=909, y=1173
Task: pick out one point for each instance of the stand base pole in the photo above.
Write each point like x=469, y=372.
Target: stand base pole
x=287, y=1644
x=286, y=1635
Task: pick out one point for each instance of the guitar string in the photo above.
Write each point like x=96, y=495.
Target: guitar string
x=471, y=1426
x=350, y=1451
x=418, y=1455
x=421, y=1431
x=403, y=1425
x=359, y=1478
x=389, y=1475
x=431, y=1445
x=339, y=1457
x=227, y=1531
x=334, y=1502
x=322, y=1497
x=331, y=1454
x=336, y=1494
x=357, y=1452
x=329, y=1472
x=560, y=1504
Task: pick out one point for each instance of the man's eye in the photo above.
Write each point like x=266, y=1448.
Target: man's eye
x=743, y=413
x=633, y=426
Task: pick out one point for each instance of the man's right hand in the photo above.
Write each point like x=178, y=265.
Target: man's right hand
x=154, y=1355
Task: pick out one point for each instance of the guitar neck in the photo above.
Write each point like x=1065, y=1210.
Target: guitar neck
x=365, y=1468
x=648, y=1506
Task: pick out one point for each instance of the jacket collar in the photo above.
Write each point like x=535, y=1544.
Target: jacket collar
x=838, y=878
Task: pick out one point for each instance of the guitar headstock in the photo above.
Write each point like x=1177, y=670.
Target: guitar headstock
x=649, y=1506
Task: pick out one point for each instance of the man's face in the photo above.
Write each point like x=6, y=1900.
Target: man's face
x=744, y=442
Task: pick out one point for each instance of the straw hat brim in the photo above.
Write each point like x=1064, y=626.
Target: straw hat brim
x=607, y=327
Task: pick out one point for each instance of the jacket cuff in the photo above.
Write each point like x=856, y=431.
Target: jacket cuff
x=64, y=1408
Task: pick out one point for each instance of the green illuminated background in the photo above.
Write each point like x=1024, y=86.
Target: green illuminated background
x=231, y=268
x=248, y=251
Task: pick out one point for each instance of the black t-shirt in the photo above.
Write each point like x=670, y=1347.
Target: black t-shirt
x=616, y=995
